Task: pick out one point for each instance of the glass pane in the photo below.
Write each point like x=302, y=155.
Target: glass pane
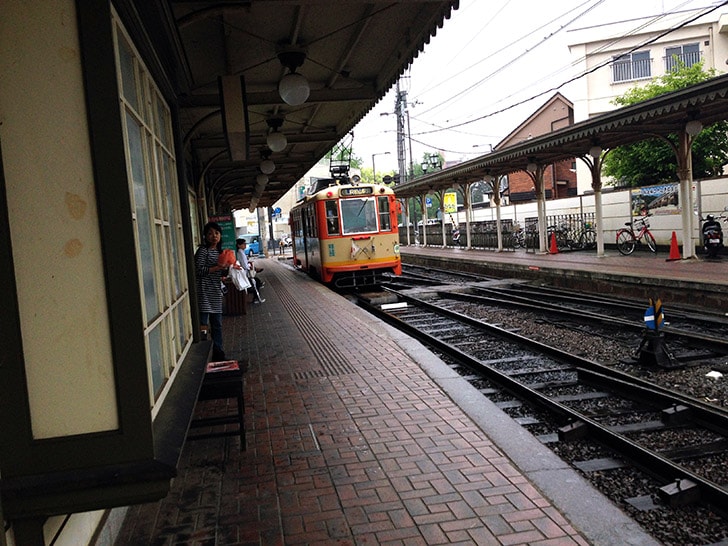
x=691, y=54
x=672, y=57
x=332, y=218
x=181, y=328
x=641, y=64
x=156, y=359
x=143, y=220
x=384, y=217
x=175, y=238
x=359, y=215
x=128, y=79
x=670, y=51
x=161, y=127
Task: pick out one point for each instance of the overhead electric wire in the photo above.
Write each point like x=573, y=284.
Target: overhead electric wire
x=605, y=46
x=455, y=56
x=583, y=74
x=460, y=95
x=563, y=68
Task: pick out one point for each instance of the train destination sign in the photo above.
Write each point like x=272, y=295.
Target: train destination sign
x=356, y=191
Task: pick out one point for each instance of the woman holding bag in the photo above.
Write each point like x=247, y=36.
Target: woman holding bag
x=209, y=284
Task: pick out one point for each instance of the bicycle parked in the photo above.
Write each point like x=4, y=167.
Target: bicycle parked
x=627, y=239
x=587, y=237
x=519, y=237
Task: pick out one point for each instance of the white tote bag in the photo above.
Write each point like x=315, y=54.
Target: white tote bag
x=239, y=278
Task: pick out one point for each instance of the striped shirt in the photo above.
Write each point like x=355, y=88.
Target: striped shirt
x=209, y=294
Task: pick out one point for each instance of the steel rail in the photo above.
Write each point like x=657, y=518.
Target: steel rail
x=716, y=343
x=650, y=461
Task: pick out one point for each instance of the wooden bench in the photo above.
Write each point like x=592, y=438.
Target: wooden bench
x=235, y=302
x=222, y=380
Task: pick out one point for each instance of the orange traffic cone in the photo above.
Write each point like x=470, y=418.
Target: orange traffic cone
x=554, y=249
x=674, y=250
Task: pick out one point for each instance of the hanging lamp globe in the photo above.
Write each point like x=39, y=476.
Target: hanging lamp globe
x=267, y=166
x=276, y=141
x=294, y=89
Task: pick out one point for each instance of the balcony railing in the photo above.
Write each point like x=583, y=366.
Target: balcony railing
x=688, y=59
x=623, y=71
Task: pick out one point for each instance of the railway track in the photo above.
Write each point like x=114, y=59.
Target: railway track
x=674, y=438
x=695, y=333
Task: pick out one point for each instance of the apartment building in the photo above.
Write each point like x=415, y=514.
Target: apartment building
x=614, y=57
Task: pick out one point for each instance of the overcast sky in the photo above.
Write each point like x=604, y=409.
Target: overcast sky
x=489, y=56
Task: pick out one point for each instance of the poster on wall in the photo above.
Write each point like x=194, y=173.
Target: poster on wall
x=450, y=202
x=660, y=200
x=228, y=230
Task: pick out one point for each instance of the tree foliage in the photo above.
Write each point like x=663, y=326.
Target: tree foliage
x=653, y=161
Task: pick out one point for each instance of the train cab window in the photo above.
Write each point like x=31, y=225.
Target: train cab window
x=332, y=218
x=384, y=217
x=359, y=215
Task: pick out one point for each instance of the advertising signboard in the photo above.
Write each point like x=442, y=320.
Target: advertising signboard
x=228, y=230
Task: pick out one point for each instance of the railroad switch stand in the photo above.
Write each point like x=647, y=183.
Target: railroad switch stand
x=653, y=350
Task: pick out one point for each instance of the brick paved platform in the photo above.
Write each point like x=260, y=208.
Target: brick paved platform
x=358, y=435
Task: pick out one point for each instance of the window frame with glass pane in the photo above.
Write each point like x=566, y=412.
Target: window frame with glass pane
x=685, y=54
x=156, y=214
x=351, y=223
x=636, y=65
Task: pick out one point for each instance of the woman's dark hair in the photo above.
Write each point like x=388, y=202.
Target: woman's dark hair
x=216, y=227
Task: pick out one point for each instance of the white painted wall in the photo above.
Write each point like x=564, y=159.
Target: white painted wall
x=711, y=197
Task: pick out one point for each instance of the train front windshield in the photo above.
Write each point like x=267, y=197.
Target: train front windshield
x=359, y=215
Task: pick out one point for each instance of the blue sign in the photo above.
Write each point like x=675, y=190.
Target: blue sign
x=654, y=316
x=650, y=318
x=428, y=201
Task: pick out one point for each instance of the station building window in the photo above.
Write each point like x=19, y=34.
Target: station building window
x=156, y=214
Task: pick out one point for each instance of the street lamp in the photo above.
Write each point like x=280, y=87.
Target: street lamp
x=432, y=161
x=374, y=169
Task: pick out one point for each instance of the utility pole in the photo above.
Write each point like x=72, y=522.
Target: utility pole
x=399, y=109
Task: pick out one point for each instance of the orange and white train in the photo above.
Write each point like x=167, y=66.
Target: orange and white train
x=346, y=234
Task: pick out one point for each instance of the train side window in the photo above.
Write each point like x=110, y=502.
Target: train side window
x=384, y=216
x=332, y=218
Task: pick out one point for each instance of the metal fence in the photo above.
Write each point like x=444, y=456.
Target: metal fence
x=571, y=231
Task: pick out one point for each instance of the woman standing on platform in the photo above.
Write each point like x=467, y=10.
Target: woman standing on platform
x=209, y=285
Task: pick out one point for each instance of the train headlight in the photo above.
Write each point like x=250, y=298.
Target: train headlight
x=396, y=248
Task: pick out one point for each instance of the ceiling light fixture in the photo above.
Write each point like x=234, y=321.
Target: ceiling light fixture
x=293, y=87
x=267, y=166
x=276, y=140
x=693, y=127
